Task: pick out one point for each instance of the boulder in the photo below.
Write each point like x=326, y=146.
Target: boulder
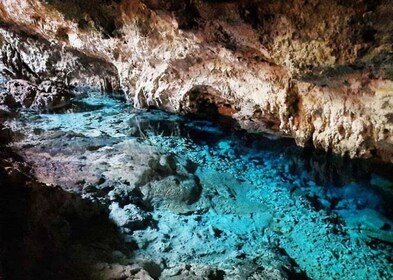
x=174, y=192
x=129, y=217
x=48, y=95
x=22, y=92
x=51, y=96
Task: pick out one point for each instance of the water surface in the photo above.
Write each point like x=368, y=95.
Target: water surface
x=333, y=217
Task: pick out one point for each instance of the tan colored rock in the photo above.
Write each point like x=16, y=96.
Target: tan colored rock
x=318, y=71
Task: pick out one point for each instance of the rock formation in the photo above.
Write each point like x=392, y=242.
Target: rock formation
x=317, y=71
x=195, y=202
x=45, y=97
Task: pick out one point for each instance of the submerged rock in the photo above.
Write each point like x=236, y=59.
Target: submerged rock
x=369, y=224
x=190, y=209
x=121, y=272
x=172, y=192
x=129, y=217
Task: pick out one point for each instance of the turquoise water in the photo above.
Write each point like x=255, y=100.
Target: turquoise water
x=332, y=216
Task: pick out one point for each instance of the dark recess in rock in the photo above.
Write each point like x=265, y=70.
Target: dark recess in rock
x=104, y=13
x=46, y=225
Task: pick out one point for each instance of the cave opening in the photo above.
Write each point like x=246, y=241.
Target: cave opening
x=205, y=102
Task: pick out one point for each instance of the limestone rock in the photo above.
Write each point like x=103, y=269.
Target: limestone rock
x=172, y=192
x=46, y=96
x=23, y=92
x=36, y=59
x=116, y=272
x=51, y=96
x=317, y=71
x=130, y=216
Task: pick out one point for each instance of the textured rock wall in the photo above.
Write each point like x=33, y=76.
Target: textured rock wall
x=319, y=71
x=34, y=58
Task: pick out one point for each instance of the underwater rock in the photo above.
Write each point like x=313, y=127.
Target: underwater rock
x=165, y=165
x=168, y=183
x=129, y=217
x=195, y=208
x=121, y=272
x=172, y=192
x=368, y=224
x=160, y=167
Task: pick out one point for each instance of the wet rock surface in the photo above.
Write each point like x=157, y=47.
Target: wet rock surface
x=194, y=200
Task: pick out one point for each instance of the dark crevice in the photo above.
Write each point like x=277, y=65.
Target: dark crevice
x=46, y=225
x=293, y=99
x=104, y=13
x=16, y=68
x=204, y=102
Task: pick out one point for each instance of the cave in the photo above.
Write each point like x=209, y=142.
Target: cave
x=204, y=102
x=150, y=139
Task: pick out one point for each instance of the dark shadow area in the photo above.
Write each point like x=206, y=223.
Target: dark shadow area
x=379, y=66
x=185, y=12
x=47, y=233
x=104, y=13
x=77, y=107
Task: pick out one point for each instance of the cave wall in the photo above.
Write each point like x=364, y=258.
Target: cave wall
x=29, y=56
x=318, y=71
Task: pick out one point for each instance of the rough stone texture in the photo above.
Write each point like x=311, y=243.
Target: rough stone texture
x=41, y=224
x=32, y=57
x=46, y=96
x=22, y=92
x=238, y=211
x=52, y=96
x=319, y=71
x=155, y=198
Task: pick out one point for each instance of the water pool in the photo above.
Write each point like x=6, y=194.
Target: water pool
x=192, y=194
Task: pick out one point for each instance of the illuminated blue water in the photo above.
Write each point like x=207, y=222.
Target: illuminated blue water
x=332, y=216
